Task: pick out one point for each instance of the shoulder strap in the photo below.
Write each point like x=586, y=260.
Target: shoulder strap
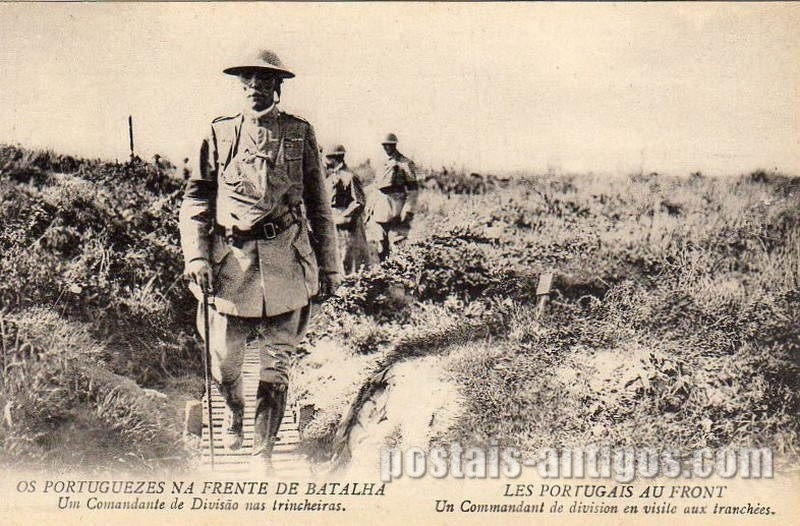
x=294, y=125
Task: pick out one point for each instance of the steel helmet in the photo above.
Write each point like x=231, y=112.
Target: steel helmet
x=336, y=151
x=390, y=139
x=265, y=60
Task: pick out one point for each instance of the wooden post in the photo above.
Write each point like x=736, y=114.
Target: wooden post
x=543, y=292
x=130, y=134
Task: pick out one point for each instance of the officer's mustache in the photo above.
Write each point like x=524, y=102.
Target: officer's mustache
x=275, y=94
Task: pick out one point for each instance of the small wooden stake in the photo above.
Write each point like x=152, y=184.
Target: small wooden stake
x=543, y=292
x=130, y=134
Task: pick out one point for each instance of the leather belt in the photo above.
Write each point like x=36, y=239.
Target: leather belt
x=263, y=230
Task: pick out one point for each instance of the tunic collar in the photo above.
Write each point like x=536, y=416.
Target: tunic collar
x=395, y=156
x=263, y=115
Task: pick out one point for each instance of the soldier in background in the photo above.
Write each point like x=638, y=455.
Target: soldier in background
x=347, y=201
x=245, y=235
x=184, y=171
x=393, y=205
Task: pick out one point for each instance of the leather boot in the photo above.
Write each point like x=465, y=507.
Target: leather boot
x=270, y=406
x=233, y=419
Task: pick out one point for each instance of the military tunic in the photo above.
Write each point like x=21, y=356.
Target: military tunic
x=347, y=201
x=398, y=183
x=256, y=169
x=393, y=195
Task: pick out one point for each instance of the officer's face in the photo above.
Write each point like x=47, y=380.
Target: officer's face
x=258, y=89
x=389, y=148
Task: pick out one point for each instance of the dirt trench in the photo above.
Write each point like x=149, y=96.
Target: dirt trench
x=405, y=404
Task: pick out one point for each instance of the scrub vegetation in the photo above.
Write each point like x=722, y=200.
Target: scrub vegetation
x=95, y=322
x=672, y=322
x=672, y=318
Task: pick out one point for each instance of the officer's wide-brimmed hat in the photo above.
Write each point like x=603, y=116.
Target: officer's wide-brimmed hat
x=265, y=61
x=390, y=139
x=336, y=151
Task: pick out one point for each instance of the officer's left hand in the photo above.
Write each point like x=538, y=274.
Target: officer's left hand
x=328, y=283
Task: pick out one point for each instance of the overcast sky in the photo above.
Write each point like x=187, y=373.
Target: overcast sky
x=489, y=87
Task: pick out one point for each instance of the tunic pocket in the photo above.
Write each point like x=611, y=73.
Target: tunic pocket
x=294, y=148
x=293, y=155
x=232, y=175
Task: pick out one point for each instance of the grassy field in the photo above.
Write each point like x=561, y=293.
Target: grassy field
x=673, y=318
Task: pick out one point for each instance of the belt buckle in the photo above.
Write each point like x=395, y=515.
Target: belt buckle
x=270, y=232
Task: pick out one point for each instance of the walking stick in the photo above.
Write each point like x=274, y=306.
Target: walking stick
x=207, y=369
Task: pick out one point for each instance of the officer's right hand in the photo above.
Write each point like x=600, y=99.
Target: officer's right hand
x=199, y=271
x=340, y=219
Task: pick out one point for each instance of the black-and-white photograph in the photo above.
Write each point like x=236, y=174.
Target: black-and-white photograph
x=409, y=262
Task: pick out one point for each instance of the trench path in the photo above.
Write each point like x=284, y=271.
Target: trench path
x=287, y=462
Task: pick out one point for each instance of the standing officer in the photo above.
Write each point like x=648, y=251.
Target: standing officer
x=257, y=233
x=394, y=209
x=347, y=201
